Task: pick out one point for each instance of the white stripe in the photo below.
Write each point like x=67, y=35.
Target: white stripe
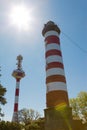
x=16, y=99
x=15, y=116
x=52, y=46
x=17, y=84
x=54, y=58
x=55, y=71
x=15, y=113
x=53, y=33
x=56, y=86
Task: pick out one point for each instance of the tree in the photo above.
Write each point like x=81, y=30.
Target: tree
x=26, y=116
x=79, y=106
x=10, y=126
x=36, y=124
x=2, y=93
x=2, y=98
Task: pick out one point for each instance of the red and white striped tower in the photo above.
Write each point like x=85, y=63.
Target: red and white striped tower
x=17, y=74
x=56, y=94
x=55, y=76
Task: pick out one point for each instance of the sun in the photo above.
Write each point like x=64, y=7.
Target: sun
x=20, y=16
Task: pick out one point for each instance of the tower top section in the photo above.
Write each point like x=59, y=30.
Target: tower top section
x=19, y=64
x=50, y=25
x=19, y=73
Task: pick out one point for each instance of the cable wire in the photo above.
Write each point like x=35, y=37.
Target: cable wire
x=75, y=43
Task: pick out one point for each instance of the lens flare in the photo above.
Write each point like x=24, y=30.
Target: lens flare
x=20, y=16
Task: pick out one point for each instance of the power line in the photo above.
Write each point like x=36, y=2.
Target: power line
x=75, y=43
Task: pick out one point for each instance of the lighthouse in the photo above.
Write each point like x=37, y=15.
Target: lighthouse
x=57, y=113
x=18, y=74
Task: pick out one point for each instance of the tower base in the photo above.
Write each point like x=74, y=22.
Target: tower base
x=15, y=117
x=58, y=118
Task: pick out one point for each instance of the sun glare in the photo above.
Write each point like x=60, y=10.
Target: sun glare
x=20, y=17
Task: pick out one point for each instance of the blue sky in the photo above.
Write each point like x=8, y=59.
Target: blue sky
x=71, y=17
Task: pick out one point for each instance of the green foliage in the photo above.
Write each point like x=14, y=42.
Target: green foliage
x=33, y=122
x=41, y=122
x=2, y=93
x=32, y=126
x=31, y=119
x=36, y=125
x=79, y=106
x=26, y=116
x=10, y=126
x=2, y=98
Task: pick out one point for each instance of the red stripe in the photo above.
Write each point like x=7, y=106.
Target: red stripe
x=53, y=52
x=55, y=78
x=54, y=65
x=18, y=79
x=16, y=107
x=52, y=39
x=55, y=98
x=19, y=74
x=17, y=92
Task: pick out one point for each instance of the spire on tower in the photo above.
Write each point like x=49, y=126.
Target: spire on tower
x=19, y=64
x=19, y=73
